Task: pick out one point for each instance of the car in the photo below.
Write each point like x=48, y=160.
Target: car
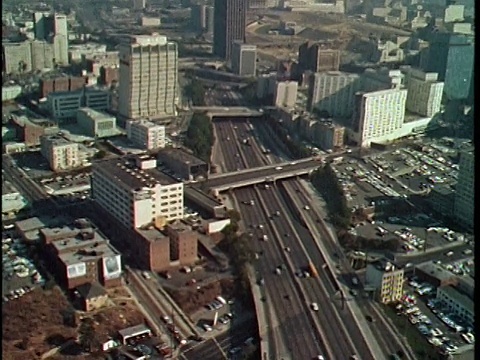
x=235, y=350
x=370, y=318
x=306, y=207
x=314, y=306
x=207, y=327
x=279, y=168
x=287, y=249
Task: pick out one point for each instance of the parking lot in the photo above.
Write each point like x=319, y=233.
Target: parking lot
x=433, y=320
x=19, y=272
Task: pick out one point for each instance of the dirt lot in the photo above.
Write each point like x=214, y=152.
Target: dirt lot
x=29, y=321
x=34, y=323
x=191, y=300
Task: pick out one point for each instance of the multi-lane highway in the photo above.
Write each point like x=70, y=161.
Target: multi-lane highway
x=334, y=331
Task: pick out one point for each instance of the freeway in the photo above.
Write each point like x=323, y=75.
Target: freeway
x=281, y=291
x=380, y=329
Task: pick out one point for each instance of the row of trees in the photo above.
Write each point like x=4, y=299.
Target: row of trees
x=195, y=91
x=325, y=181
x=200, y=137
x=295, y=149
x=239, y=250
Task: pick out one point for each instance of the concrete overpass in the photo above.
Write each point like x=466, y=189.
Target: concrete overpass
x=232, y=111
x=270, y=173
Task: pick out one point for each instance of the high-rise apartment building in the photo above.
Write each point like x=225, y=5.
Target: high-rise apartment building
x=452, y=57
x=17, y=57
x=244, y=59
x=333, y=92
x=146, y=134
x=53, y=28
x=378, y=115
x=229, y=25
x=135, y=192
x=318, y=57
x=424, y=92
x=60, y=153
x=148, y=81
x=285, y=94
x=386, y=280
x=464, y=196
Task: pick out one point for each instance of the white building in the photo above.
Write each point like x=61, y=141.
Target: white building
x=135, y=192
x=79, y=52
x=244, y=59
x=334, y=92
x=424, y=92
x=146, y=134
x=285, y=94
x=379, y=116
x=266, y=85
x=464, y=207
x=64, y=104
x=96, y=123
x=148, y=79
x=386, y=280
x=17, y=57
x=53, y=29
x=149, y=21
x=60, y=153
x=458, y=303
x=454, y=13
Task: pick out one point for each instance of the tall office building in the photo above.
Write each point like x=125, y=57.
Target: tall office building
x=382, y=79
x=135, y=192
x=386, y=280
x=378, y=115
x=230, y=18
x=424, y=92
x=139, y=5
x=285, y=94
x=464, y=196
x=148, y=80
x=244, y=59
x=334, y=92
x=202, y=18
x=452, y=57
x=318, y=57
x=53, y=28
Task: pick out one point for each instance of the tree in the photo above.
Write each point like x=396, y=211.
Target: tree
x=200, y=136
x=233, y=215
x=196, y=92
x=87, y=334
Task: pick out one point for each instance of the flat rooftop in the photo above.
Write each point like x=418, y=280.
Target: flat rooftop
x=134, y=330
x=385, y=265
x=89, y=253
x=152, y=234
x=63, y=231
x=37, y=223
x=125, y=169
x=181, y=156
x=75, y=242
x=8, y=188
x=435, y=270
x=199, y=197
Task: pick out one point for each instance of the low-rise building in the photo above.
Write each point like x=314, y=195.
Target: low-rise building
x=457, y=303
x=31, y=130
x=60, y=153
x=64, y=105
x=386, y=279
x=442, y=199
x=183, y=163
x=91, y=296
x=12, y=200
x=146, y=134
x=11, y=92
x=50, y=84
x=435, y=275
x=183, y=243
x=96, y=124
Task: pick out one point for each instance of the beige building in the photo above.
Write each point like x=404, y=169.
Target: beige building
x=17, y=57
x=464, y=207
x=146, y=134
x=378, y=116
x=424, y=92
x=148, y=80
x=135, y=192
x=60, y=153
x=97, y=124
x=334, y=92
x=285, y=94
x=387, y=281
x=43, y=55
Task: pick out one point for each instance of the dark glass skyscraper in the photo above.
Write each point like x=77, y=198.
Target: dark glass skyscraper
x=452, y=57
x=229, y=25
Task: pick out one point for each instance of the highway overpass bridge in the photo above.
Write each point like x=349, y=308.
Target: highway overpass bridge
x=270, y=173
x=231, y=111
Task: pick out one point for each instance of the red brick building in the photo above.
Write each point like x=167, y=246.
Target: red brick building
x=61, y=83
